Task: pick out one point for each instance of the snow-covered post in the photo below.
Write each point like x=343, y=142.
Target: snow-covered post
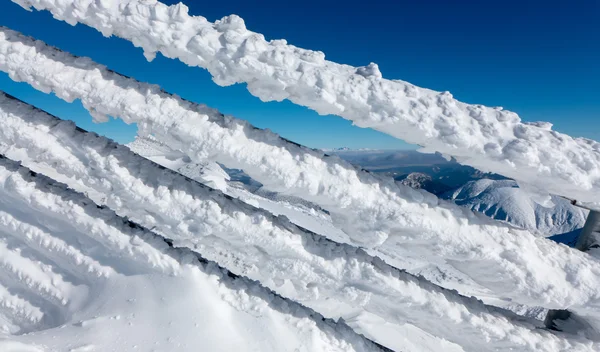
x=590, y=231
x=587, y=238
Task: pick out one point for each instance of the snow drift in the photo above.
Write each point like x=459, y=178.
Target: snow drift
x=405, y=227
x=489, y=139
x=74, y=276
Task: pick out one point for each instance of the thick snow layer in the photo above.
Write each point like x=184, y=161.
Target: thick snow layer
x=335, y=280
x=490, y=139
x=503, y=200
x=405, y=227
x=74, y=277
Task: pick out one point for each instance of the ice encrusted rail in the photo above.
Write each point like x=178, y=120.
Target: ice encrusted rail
x=336, y=280
x=83, y=268
x=413, y=224
x=489, y=139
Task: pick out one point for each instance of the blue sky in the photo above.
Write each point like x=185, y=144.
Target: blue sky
x=537, y=58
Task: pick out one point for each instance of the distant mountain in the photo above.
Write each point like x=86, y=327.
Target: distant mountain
x=491, y=194
x=503, y=200
x=379, y=160
x=418, y=180
x=400, y=163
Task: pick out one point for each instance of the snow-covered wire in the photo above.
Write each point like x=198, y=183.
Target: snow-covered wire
x=336, y=280
x=397, y=223
x=490, y=139
x=92, y=245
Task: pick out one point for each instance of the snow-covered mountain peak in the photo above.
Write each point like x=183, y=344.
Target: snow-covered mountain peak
x=504, y=200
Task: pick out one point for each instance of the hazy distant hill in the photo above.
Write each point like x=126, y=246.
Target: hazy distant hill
x=490, y=194
x=400, y=163
x=503, y=200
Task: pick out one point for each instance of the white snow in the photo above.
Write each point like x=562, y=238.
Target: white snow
x=75, y=277
x=208, y=173
x=335, y=280
x=503, y=200
x=407, y=228
x=489, y=139
x=298, y=211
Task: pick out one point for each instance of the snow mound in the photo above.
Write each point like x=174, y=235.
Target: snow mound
x=489, y=139
x=407, y=228
x=503, y=200
x=74, y=276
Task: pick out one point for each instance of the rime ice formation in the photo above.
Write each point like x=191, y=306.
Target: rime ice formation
x=405, y=227
x=490, y=139
x=76, y=277
x=336, y=280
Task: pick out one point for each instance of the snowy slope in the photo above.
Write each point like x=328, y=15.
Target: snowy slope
x=503, y=200
x=75, y=277
x=405, y=227
x=238, y=185
x=335, y=280
x=489, y=139
x=208, y=172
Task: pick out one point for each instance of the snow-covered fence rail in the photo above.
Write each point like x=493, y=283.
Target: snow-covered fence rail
x=335, y=280
x=588, y=238
x=490, y=139
x=64, y=235
x=590, y=235
x=412, y=224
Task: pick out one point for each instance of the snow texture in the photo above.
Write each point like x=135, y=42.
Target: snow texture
x=75, y=277
x=504, y=200
x=419, y=180
x=335, y=280
x=489, y=139
x=405, y=227
x=208, y=173
x=311, y=217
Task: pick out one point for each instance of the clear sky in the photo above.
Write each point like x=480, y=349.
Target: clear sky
x=540, y=59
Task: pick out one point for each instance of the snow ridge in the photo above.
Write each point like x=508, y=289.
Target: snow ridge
x=64, y=248
x=405, y=227
x=335, y=280
x=489, y=139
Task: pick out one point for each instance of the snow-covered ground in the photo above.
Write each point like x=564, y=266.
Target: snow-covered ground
x=75, y=277
x=335, y=280
x=489, y=139
x=407, y=228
